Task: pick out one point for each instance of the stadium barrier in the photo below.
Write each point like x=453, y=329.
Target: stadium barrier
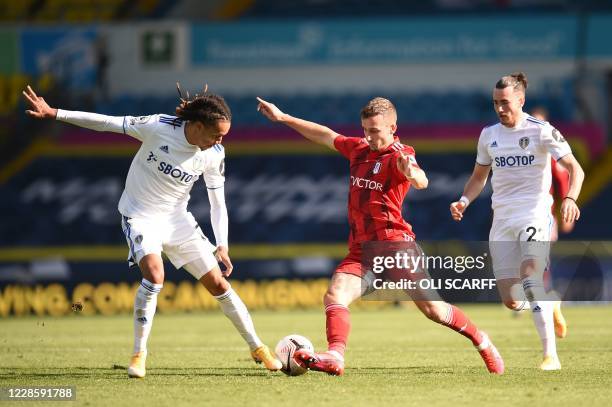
x=286, y=277
x=185, y=296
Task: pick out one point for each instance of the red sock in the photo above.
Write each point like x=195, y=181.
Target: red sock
x=338, y=323
x=458, y=321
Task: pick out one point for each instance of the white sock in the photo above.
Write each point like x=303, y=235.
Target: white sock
x=335, y=354
x=233, y=308
x=144, y=311
x=542, y=314
x=517, y=293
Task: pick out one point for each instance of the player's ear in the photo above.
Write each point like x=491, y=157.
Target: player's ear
x=393, y=128
x=198, y=126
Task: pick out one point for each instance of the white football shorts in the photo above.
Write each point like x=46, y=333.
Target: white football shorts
x=179, y=238
x=511, y=241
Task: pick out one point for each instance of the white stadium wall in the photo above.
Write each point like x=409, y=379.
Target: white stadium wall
x=235, y=58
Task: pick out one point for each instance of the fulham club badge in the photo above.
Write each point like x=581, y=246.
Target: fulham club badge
x=376, y=169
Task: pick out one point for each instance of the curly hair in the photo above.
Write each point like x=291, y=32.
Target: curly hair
x=517, y=80
x=204, y=107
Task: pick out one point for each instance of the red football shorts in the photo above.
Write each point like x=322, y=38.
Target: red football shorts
x=352, y=263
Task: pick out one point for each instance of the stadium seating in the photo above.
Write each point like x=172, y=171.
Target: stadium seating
x=417, y=108
x=81, y=11
x=101, y=10
x=357, y=8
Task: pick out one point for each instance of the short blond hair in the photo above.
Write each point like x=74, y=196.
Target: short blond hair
x=378, y=106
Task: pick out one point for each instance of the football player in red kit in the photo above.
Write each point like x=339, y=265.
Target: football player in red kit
x=382, y=170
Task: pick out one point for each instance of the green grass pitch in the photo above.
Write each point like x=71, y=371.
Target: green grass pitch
x=395, y=357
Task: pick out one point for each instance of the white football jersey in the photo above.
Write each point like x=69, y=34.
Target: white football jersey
x=165, y=167
x=520, y=161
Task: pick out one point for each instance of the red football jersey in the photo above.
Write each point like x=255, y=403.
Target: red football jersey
x=376, y=191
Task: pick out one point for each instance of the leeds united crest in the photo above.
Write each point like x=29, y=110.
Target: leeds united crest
x=524, y=142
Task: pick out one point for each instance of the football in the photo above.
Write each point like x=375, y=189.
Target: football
x=285, y=349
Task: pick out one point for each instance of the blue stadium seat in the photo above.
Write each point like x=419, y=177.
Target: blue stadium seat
x=433, y=107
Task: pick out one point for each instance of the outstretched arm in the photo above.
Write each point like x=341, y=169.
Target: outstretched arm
x=38, y=106
x=471, y=191
x=40, y=109
x=312, y=131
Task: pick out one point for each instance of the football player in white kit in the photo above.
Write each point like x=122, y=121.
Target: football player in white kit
x=518, y=151
x=175, y=152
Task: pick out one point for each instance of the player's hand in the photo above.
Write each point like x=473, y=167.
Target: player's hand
x=38, y=107
x=269, y=110
x=404, y=165
x=569, y=211
x=456, y=209
x=222, y=255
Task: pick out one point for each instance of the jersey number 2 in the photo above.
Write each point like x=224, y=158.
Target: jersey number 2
x=531, y=230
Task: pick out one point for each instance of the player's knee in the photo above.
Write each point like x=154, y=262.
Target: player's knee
x=336, y=295
x=528, y=267
x=528, y=263
x=330, y=297
x=433, y=310
x=152, y=269
x=220, y=288
x=343, y=289
x=214, y=282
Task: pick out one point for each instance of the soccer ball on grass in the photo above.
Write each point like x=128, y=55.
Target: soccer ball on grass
x=285, y=350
